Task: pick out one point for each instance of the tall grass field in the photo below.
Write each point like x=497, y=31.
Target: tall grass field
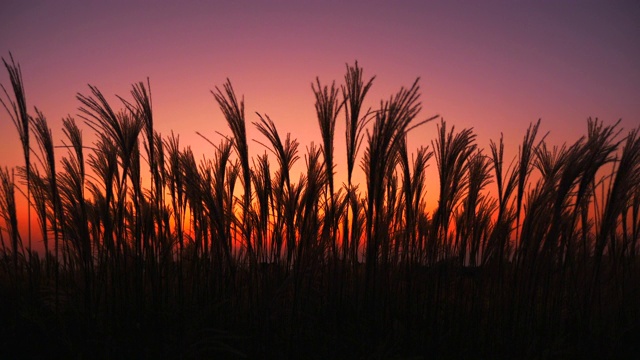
x=151, y=252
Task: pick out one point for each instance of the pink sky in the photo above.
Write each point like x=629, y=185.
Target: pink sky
x=495, y=67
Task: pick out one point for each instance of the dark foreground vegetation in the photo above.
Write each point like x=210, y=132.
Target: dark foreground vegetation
x=152, y=253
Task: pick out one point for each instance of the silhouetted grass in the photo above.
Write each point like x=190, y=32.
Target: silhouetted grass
x=233, y=256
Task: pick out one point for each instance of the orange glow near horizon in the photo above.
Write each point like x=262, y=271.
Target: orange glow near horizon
x=495, y=68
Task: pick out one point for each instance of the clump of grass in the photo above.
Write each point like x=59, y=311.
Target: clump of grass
x=233, y=111
x=327, y=109
x=17, y=110
x=452, y=154
x=354, y=92
x=10, y=215
x=286, y=153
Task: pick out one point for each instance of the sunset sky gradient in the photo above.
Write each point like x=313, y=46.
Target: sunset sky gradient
x=495, y=67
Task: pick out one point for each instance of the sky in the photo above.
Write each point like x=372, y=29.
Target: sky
x=495, y=66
